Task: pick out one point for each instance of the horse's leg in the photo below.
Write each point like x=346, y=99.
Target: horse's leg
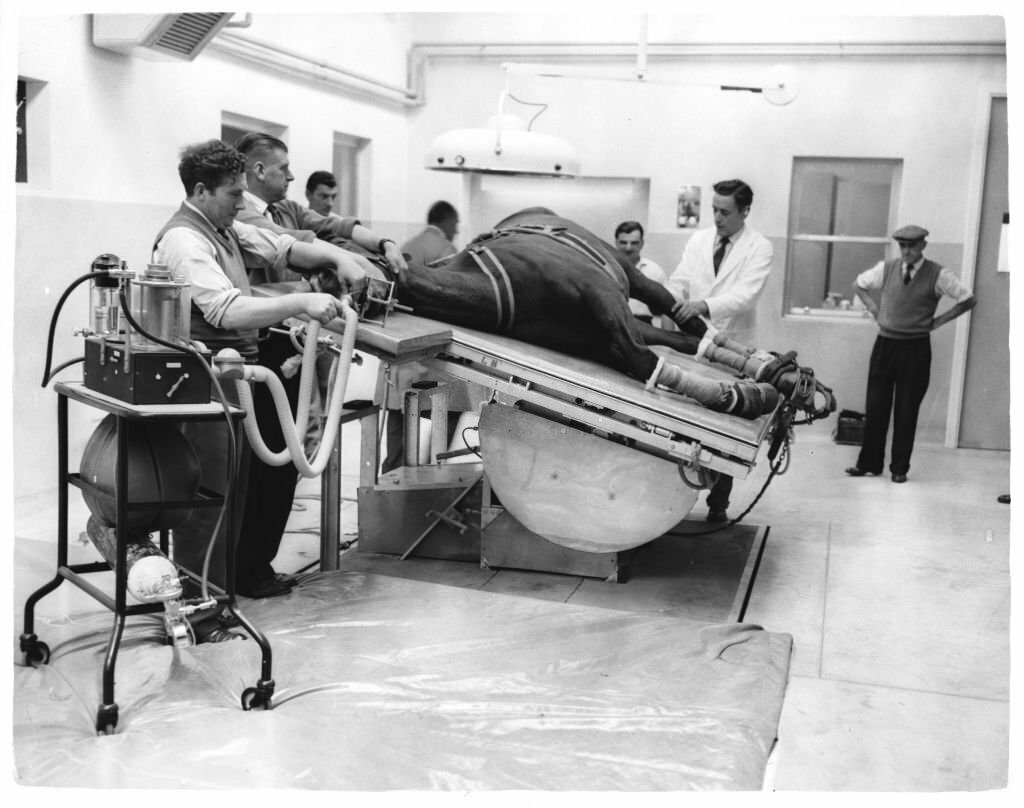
x=676, y=340
x=628, y=353
x=714, y=347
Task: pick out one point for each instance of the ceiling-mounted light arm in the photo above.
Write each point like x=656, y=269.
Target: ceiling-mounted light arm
x=505, y=94
x=500, y=116
x=779, y=85
x=641, y=50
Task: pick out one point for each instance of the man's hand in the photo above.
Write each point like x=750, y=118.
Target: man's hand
x=683, y=311
x=352, y=271
x=393, y=255
x=320, y=307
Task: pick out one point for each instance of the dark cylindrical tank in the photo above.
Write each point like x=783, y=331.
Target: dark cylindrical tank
x=162, y=467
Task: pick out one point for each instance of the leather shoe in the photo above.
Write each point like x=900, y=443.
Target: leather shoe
x=215, y=629
x=286, y=579
x=899, y=478
x=717, y=516
x=853, y=471
x=263, y=588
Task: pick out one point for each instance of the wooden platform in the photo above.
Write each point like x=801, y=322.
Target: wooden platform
x=687, y=572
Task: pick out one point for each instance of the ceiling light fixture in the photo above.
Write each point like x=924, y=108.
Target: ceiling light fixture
x=505, y=145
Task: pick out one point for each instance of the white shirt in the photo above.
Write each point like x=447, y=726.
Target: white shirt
x=188, y=253
x=257, y=204
x=653, y=272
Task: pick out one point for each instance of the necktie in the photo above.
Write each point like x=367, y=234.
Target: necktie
x=274, y=214
x=906, y=274
x=720, y=253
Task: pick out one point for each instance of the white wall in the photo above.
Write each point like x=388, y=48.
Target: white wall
x=112, y=125
x=915, y=102
x=117, y=122
x=106, y=133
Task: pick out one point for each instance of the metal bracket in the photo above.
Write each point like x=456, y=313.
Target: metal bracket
x=443, y=517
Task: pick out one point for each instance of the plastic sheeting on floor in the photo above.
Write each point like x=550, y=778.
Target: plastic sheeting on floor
x=383, y=684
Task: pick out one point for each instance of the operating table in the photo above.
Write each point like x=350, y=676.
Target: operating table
x=556, y=405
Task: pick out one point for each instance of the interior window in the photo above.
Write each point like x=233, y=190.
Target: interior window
x=351, y=168
x=841, y=214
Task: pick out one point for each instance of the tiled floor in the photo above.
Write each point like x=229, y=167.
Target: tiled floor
x=897, y=596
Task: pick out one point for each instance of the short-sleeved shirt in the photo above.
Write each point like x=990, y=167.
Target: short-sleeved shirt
x=188, y=253
x=947, y=283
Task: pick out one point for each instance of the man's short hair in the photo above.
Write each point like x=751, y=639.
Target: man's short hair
x=213, y=163
x=629, y=227
x=742, y=192
x=441, y=211
x=257, y=146
x=320, y=178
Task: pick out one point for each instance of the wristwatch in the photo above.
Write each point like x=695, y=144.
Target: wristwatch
x=382, y=242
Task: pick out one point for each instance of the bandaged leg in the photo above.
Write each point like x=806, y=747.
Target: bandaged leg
x=748, y=361
x=744, y=398
x=780, y=371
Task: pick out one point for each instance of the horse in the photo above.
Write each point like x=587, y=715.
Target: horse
x=547, y=280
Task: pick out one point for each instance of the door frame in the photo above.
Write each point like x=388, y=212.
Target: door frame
x=972, y=233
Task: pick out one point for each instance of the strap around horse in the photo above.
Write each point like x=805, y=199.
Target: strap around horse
x=569, y=239
x=500, y=283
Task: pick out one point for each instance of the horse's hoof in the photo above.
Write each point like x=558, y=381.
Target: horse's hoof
x=754, y=399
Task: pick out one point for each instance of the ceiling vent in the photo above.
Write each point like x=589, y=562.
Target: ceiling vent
x=157, y=36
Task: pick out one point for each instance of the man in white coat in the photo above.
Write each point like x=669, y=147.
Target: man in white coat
x=719, y=279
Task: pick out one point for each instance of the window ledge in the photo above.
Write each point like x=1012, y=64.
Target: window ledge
x=823, y=314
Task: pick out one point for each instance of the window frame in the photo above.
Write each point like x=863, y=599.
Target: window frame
x=793, y=238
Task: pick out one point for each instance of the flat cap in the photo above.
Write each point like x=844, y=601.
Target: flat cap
x=910, y=233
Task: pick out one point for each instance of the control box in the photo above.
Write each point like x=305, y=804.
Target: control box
x=145, y=377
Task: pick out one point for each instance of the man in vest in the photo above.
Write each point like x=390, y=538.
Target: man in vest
x=908, y=289
x=205, y=244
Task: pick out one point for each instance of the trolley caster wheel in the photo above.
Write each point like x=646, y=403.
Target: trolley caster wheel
x=106, y=719
x=258, y=697
x=36, y=652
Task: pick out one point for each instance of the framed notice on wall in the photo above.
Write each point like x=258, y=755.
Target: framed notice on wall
x=1004, y=244
x=688, y=214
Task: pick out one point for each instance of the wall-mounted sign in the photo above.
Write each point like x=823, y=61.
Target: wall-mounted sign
x=688, y=214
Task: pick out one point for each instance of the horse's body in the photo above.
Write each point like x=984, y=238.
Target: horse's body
x=543, y=279
x=546, y=280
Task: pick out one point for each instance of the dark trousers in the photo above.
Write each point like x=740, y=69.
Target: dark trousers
x=271, y=489
x=898, y=377
x=718, y=496
x=192, y=537
x=262, y=494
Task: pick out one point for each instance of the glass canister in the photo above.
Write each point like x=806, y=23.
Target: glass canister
x=160, y=305
x=104, y=297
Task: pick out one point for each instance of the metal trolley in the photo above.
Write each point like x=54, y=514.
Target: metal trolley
x=129, y=416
